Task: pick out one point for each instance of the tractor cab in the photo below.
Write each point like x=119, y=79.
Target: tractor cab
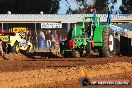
x=89, y=27
x=93, y=22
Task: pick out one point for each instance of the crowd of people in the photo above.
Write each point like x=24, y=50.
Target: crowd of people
x=45, y=39
x=41, y=39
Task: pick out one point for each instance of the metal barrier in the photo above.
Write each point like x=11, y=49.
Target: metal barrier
x=65, y=18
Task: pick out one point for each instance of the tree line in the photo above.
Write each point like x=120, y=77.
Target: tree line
x=52, y=6
x=29, y=6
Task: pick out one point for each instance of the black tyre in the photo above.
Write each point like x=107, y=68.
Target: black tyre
x=88, y=48
x=28, y=49
x=108, y=41
x=4, y=47
x=16, y=48
x=76, y=54
x=61, y=49
x=62, y=52
x=8, y=49
x=117, y=47
x=84, y=53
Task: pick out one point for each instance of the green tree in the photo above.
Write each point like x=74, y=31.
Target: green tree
x=29, y=6
x=100, y=5
x=126, y=7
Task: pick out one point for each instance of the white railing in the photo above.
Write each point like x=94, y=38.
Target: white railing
x=57, y=17
x=117, y=29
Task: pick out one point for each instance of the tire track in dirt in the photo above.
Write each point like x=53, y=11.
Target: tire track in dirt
x=63, y=77
x=60, y=72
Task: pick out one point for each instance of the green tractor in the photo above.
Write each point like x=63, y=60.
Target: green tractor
x=86, y=37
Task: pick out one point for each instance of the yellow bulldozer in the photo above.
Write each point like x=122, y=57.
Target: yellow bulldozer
x=15, y=41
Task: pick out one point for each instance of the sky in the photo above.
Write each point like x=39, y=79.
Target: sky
x=63, y=6
x=117, y=5
x=73, y=4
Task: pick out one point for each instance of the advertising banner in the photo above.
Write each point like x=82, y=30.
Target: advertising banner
x=51, y=25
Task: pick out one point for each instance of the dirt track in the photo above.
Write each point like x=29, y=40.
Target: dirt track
x=22, y=72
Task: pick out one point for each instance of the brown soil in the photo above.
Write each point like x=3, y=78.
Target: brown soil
x=19, y=71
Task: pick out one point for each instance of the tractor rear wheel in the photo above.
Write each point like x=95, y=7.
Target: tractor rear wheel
x=108, y=41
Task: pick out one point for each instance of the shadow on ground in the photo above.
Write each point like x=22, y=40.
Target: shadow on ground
x=39, y=54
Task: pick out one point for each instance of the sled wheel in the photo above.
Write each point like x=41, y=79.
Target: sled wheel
x=8, y=49
x=84, y=53
x=108, y=43
x=76, y=54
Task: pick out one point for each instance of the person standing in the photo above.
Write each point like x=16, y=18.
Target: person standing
x=27, y=35
x=34, y=40
x=1, y=49
x=41, y=40
x=56, y=40
x=48, y=39
x=61, y=39
x=53, y=36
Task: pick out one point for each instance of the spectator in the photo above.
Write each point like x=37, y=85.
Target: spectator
x=41, y=40
x=53, y=40
x=28, y=36
x=48, y=39
x=34, y=40
x=56, y=40
x=1, y=50
x=60, y=40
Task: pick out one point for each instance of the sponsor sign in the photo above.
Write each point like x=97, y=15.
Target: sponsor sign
x=19, y=29
x=110, y=82
x=51, y=25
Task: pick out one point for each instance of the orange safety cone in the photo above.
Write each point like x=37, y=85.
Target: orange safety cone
x=84, y=81
x=83, y=74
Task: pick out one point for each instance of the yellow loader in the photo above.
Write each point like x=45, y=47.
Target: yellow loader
x=14, y=42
